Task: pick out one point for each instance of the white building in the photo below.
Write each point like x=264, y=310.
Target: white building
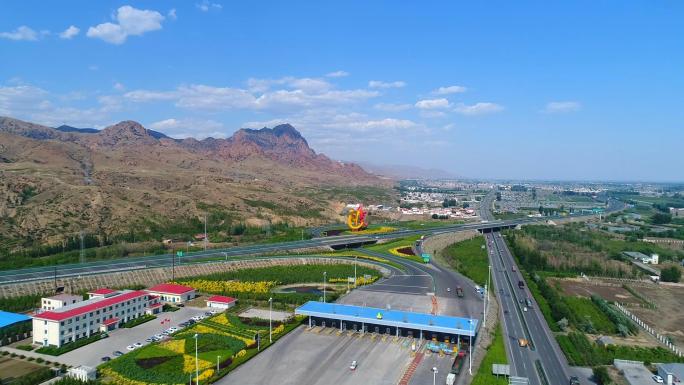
x=102, y=293
x=172, y=292
x=82, y=373
x=221, y=302
x=58, y=301
x=82, y=319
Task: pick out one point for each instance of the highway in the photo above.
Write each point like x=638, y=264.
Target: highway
x=166, y=260
x=542, y=362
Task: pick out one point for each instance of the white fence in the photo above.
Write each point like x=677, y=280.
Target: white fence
x=661, y=338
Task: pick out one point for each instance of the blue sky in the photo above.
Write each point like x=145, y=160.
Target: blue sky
x=580, y=90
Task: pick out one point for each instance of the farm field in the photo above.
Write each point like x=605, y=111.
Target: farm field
x=668, y=299
x=11, y=368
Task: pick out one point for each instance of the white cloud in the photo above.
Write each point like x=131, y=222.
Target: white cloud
x=449, y=90
x=381, y=84
x=311, y=94
x=337, y=74
x=21, y=33
x=206, y=6
x=119, y=87
x=69, y=32
x=129, y=22
x=189, y=128
x=481, y=108
x=392, y=107
x=306, y=84
x=562, y=107
x=171, y=14
x=432, y=104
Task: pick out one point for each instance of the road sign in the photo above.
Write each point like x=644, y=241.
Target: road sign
x=426, y=258
x=179, y=253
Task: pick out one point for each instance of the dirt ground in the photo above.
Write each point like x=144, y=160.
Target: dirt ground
x=13, y=368
x=667, y=317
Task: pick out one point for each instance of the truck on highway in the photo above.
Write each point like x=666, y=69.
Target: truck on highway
x=521, y=284
x=459, y=291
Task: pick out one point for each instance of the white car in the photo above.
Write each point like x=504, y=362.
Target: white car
x=658, y=379
x=353, y=365
x=130, y=347
x=158, y=336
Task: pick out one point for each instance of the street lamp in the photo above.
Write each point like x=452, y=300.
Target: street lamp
x=196, y=362
x=217, y=363
x=470, y=347
x=270, y=317
x=434, y=375
x=325, y=274
x=356, y=259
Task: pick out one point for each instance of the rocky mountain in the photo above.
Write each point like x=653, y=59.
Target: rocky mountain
x=56, y=181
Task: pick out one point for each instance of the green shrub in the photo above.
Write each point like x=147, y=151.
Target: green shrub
x=56, y=351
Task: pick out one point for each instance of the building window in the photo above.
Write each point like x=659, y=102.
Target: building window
x=45, y=323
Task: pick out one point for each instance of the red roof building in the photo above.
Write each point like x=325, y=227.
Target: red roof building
x=172, y=292
x=221, y=302
x=102, y=291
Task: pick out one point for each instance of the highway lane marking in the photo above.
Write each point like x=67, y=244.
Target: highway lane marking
x=389, y=291
x=411, y=275
x=385, y=284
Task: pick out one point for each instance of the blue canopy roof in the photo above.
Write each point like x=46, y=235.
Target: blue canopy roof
x=396, y=318
x=7, y=318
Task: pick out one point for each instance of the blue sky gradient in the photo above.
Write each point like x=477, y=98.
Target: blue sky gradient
x=580, y=90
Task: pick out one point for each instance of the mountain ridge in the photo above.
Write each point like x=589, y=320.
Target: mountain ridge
x=54, y=182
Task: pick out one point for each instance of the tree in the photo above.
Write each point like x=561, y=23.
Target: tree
x=671, y=274
x=601, y=375
x=661, y=218
x=498, y=196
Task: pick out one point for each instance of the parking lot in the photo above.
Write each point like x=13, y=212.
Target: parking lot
x=321, y=356
x=119, y=339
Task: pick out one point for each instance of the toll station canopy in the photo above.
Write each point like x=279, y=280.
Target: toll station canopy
x=394, y=318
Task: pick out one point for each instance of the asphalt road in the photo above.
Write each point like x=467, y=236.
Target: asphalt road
x=529, y=324
x=136, y=263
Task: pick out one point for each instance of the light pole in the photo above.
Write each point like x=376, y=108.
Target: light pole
x=196, y=362
x=217, y=363
x=270, y=317
x=434, y=375
x=489, y=273
x=470, y=348
x=356, y=259
x=325, y=274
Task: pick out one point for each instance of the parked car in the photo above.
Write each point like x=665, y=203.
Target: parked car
x=180, y=305
x=105, y=359
x=658, y=379
x=150, y=339
x=138, y=345
x=353, y=365
x=130, y=347
x=117, y=354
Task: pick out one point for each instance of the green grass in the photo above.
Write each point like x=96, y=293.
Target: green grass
x=542, y=303
x=496, y=354
x=137, y=321
x=385, y=247
x=56, y=351
x=426, y=224
x=586, y=310
x=469, y=258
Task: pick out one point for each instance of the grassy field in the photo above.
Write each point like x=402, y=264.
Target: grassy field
x=589, y=313
x=469, y=258
x=426, y=224
x=385, y=247
x=496, y=354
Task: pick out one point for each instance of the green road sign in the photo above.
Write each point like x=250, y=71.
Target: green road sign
x=179, y=253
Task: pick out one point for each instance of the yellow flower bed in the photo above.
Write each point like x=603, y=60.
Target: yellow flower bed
x=395, y=251
x=177, y=346
x=231, y=286
x=204, y=375
x=189, y=363
x=247, y=341
x=279, y=329
x=240, y=353
x=222, y=319
x=118, y=378
x=378, y=230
